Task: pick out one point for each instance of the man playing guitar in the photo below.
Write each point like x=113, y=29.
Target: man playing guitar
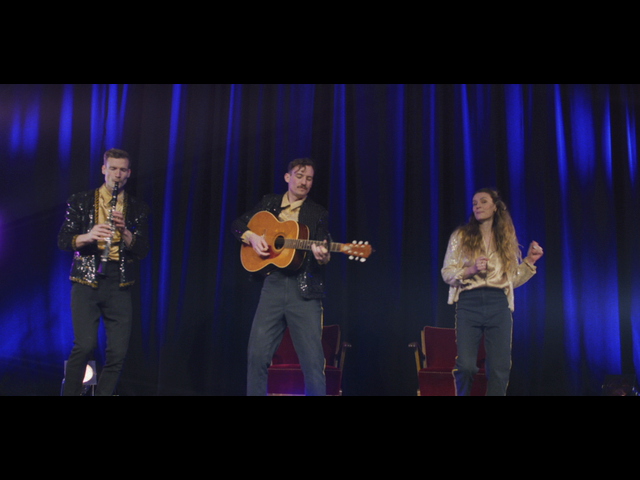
x=289, y=298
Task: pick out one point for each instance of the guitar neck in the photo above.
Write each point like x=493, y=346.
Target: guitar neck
x=301, y=244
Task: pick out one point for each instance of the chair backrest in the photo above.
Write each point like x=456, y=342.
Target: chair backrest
x=439, y=348
x=286, y=353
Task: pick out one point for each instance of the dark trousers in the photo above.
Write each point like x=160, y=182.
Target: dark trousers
x=88, y=304
x=281, y=304
x=483, y=311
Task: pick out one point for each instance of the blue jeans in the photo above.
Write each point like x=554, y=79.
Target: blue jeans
x=281, y=304
x=483, y=311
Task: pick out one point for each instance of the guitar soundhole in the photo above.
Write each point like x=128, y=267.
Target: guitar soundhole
x=278, y=243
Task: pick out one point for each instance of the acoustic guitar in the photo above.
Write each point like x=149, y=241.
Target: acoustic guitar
x=288, y=242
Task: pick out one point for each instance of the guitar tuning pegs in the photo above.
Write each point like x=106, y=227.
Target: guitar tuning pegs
x=350, y=257
x=362, y=260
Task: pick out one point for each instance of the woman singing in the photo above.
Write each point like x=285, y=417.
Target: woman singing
x=482, y=266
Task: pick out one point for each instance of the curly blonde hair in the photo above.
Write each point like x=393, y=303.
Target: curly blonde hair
x=504, y=234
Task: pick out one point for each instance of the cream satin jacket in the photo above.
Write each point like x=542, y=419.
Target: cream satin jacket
x=455, y=262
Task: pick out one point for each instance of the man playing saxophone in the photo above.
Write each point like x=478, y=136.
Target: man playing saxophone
x=106, y=228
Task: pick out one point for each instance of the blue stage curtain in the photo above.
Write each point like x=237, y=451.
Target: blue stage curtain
x=398, y=165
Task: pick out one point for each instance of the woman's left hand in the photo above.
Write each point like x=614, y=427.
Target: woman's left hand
x=535, y=252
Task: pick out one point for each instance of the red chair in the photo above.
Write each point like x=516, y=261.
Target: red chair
x=285, y=375
x=435, y=359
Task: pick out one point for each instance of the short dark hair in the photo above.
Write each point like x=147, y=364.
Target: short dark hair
x=301, y=162
x=116, y=153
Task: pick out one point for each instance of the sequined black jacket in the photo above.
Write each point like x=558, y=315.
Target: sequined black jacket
x=81, y=216
x=311, y=273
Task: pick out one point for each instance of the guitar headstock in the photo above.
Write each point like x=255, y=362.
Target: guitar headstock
x=358, y=251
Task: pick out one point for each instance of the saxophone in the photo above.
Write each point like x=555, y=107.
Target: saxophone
x=107, y=245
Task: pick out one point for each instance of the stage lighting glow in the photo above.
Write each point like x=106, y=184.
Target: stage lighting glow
x=89, y=373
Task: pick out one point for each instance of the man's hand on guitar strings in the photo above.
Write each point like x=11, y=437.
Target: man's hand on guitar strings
x=259, y=244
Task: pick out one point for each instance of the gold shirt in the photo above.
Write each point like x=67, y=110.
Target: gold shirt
x=290, y=210
x=104, y=208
